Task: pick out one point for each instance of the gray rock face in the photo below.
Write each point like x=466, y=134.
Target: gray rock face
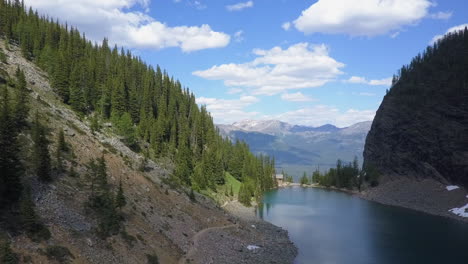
x=420, y=142
x=421, y=128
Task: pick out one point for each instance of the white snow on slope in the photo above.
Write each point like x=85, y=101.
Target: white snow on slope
x=451, y=187
x=462, y=211
x=252, y=247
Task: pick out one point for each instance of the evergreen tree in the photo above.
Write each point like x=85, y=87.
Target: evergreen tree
x=61, y=143
x=120, y=200
x=7, y=256
x=10, y=166
x=304, y=180
x=61, y=146
x=40, y=155
x=77, y=100
x=28, y=216
x=21, y=107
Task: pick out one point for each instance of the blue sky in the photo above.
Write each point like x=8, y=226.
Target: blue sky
x=303, y=62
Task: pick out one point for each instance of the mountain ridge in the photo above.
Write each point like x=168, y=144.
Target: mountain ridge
x=300, y=148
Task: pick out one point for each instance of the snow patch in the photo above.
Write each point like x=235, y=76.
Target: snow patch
x=462, y=211
x=451, y=187
x=252, y=247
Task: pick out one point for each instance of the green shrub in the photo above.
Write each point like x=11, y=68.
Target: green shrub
x=129, y=239
x=59, y=253
x=7, y=256
x=152, y=259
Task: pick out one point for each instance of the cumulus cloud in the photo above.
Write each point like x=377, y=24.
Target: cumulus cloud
x=235, y=91
x=361, y=17
x=296, y=97
x=450, y=30
x=130, y=28
x=362, y=80
x=286, y=26
x=240, y=6
x=323, y=114
x=441, y=15
x=226, y=111
x=239, y=36
x=277, y=70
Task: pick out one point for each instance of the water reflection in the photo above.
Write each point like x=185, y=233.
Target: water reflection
x=334, y=227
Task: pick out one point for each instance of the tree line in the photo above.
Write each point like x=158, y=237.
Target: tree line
x=150, y=110
x=347, y=175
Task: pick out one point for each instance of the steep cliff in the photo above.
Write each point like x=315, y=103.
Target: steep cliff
x=420, y=130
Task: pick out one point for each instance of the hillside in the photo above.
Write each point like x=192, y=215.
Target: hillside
x=159, y=221
x=104, y=158
x=418, y=140
x=300, y=148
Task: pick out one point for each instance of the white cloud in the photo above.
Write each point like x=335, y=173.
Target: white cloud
x=322, y=114
x=277, y=70
x=450, y=30
x=367, y=94
x=235, y=91
x=441, y=15
x=296, y=97
x=198, y=5
x=286, y=26
x=240, y=6
x=239, y=36
x=362, y=80
x=130, y=28
x=227, y=111
x=361, y=17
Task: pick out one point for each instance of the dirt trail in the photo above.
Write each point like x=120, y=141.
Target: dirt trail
x=196, y=238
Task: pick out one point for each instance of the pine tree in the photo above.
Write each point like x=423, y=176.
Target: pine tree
x=10, y=166
x=28, y=216
x=61, y=143
x=120, y=200
x=21, y=107
x=40, y=156
x=77, y=100
x=7, y=256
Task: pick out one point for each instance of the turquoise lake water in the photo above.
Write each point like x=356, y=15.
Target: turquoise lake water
x=331, y=227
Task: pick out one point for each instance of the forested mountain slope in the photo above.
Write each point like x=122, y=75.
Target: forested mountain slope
x=418, y=141
x=421, y=127
x=101, y=154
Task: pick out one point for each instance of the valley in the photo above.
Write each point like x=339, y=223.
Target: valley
x=300, y=148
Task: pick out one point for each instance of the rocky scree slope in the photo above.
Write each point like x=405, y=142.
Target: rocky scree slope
x=158, y=220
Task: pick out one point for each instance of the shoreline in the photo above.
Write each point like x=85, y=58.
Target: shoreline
x=248, y=239
x=377, y=195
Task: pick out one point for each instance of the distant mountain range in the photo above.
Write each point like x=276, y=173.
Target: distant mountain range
x=299, y=148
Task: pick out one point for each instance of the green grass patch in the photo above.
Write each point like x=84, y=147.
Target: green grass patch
x=219, y=196
x=231, y=181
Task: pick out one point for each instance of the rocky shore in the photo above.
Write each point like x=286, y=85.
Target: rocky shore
x=247, y=240
x=424, y=195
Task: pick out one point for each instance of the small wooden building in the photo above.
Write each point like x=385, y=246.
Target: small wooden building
x=279, y=179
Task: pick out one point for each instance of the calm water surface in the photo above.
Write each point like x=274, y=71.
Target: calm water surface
x=332, y=227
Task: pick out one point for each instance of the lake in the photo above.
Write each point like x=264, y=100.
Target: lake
x=331, y=227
